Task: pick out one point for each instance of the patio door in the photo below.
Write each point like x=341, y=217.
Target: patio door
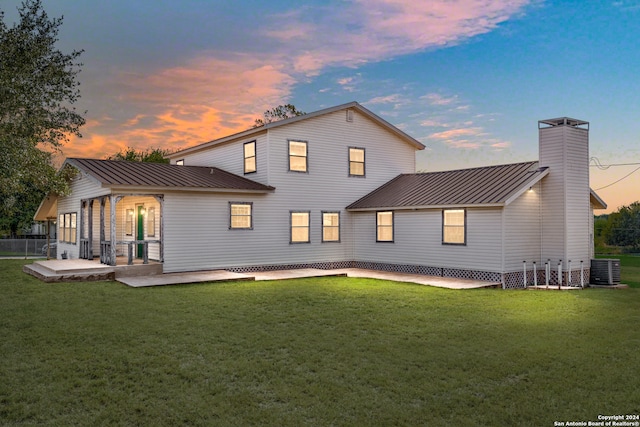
x=140, y=229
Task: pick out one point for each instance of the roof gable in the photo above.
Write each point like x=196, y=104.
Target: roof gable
x=276, y=124
x=485, y=186
x=118, y=173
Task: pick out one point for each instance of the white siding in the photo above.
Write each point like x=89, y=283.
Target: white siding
x=82, y=187
x=230, y=157
x=523, y=234
x=197, y=234
x=418, y=240
x=565, y=194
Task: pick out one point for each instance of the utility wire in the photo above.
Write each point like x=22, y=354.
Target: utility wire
x=626, y=176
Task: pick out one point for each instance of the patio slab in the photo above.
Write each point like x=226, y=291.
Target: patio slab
x=183, y=278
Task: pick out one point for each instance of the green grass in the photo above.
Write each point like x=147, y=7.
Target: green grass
x=324, y=351
x=629, y=268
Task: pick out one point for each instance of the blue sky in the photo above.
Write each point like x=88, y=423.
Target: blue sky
x=469, y=79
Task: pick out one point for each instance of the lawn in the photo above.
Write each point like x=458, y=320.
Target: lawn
x=323, y=351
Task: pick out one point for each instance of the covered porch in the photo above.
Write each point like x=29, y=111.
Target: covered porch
x=122, y=228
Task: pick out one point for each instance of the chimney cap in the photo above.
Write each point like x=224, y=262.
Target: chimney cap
x=563, y=121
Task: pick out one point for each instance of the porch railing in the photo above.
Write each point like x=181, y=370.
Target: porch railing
x=105, y=253
x=85, y=249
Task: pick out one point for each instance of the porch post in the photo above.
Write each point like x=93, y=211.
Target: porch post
x=160, y=199
x=81, y=253
x=90, y=229
x=103, y=201
x=112, y=235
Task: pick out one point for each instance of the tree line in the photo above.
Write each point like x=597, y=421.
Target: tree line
x=620, y=229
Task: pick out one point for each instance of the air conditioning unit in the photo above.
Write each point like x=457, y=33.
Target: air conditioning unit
x=605, y=271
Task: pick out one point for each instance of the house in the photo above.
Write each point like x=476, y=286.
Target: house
x=330, y=189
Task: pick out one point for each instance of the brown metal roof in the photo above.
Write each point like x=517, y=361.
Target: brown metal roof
x=117, y=173
x=491, y=185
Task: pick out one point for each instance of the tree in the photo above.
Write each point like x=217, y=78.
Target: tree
x=623, y=228
x=150, y=155
x=38, y=85
x=281, y=112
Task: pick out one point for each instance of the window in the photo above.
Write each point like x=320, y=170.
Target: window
x=180, y=162
x=298, y=156
x=67, y=227
x=384, y=226
x=240, y=215
x=151, y=222
x=300, y=227
x=330, y=226
x=356, y=161
x=250, y=157
x=128, y=223
x=454, y=226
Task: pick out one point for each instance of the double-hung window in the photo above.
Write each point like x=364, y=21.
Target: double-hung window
x=300, y=227
x=298, y=156
x=330, y=226
x=384, y=226
x=240, y=216
x=356, y=161
x=250, y=157
x=67, y=225
x=454, y=226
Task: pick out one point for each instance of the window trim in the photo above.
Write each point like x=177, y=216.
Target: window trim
x=255, y=157
x=151, y=221
x=393, y=228
x=331, y=226
x=250, y=204
x=364, y=162
x=291, y=227
x=63, y=228
x=464, y=227
x=128, y=222
x=306, y=157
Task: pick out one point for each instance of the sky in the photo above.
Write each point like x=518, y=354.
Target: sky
x=468, y=78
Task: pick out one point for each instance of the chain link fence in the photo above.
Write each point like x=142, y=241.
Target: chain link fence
x=28, y=247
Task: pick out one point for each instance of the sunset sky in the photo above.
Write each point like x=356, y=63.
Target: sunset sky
x=469, y=79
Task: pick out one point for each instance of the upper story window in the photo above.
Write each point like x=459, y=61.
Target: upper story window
x=384, y=226
x=356, y=161
x=180, y=162
x=67, y=224
x=250, y=157
x=298, y=156
x=300, y=227
x=240, y=215
x=330, y=226
x=454, y=226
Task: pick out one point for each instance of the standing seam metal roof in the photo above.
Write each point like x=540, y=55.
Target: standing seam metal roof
x=477, y=186
x=139, y=174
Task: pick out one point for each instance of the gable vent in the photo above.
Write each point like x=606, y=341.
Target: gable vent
x=349, y=115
